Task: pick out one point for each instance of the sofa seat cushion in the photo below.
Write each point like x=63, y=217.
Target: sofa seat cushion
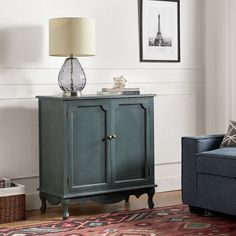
x=220, y=162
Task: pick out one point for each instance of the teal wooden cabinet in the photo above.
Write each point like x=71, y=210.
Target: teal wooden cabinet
x=95, y=148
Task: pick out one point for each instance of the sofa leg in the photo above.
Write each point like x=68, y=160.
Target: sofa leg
x=209, y=213
x=196, y=210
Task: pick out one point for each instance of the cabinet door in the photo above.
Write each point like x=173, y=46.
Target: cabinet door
x=89, y=123
x=132, y=148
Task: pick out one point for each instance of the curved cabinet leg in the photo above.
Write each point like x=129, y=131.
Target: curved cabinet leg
x=65, y=213
x=127, y=199
x=151, y=193
x=43, y=207
x=127, y=204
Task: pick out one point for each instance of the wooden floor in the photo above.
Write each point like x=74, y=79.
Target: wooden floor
x=89, y=209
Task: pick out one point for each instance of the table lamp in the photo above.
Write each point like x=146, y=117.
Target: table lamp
x=71, y=37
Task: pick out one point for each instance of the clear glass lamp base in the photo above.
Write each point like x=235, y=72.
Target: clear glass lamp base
x=71, y=78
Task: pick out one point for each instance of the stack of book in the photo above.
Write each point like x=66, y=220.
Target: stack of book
x=5, y=183
x=119, y=91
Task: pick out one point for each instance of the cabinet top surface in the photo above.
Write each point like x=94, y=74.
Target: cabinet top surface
x=85, y=97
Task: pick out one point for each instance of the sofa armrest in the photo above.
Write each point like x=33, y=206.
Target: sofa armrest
x=191, y=146
x=202, y=143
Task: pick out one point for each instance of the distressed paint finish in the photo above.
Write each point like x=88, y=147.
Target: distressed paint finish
x=95, y=148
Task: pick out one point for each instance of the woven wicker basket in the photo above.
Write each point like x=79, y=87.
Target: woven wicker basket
x=12, y=203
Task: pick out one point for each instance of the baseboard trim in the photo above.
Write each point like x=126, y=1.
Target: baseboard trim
x=33, y=201
x=168, y=184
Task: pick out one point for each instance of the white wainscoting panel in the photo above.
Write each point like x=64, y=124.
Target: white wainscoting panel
x=168, y=176
x=175, y=117
x=18, y=138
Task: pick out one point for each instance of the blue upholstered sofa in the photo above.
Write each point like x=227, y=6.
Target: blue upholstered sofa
x=208, y=175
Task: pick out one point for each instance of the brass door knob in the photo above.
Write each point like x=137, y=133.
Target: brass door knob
x=114, y=136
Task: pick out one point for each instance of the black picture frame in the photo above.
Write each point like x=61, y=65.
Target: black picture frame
x=158, y=47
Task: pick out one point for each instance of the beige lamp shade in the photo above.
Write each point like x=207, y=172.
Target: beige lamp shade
x=71, y=37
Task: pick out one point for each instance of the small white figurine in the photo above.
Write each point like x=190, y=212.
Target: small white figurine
x=119, y=82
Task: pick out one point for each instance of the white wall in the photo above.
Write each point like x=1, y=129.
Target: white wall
x=220, y=59
x=26, y=70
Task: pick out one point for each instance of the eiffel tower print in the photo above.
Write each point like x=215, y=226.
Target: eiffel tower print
x=159, y=40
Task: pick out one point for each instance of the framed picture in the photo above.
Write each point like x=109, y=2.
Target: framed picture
x=159, y=31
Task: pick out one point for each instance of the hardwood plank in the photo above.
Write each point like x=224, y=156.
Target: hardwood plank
x=91, y=208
